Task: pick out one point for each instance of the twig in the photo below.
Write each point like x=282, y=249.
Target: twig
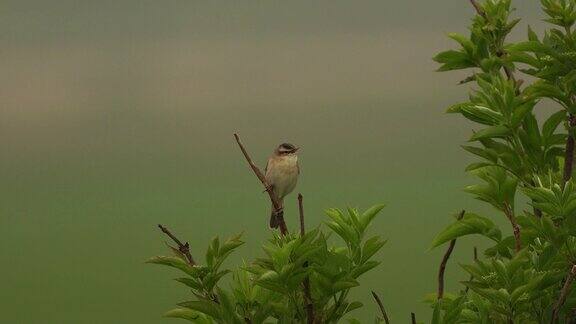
x=569, y=153
x=307, y=294
x=563, y=294
x=381, y=306
x=445, y=261
x=515, y=228
x=275, y=203
x=183, y=248
x=478, y=8
x=413, y=318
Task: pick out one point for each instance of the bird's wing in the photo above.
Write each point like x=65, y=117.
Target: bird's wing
x=298, y=167
x=266, y=168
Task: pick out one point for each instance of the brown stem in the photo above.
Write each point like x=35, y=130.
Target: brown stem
x=381, y=306
x=413, y=316
x=516, y=229
x=478, y=8
x=307, y=294
x=445, y=261
x=275, y=203
x=569, y=153
x=563, y=294
x=183, y=248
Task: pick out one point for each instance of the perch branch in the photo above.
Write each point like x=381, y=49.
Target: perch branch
x=307, y=293
x=413, y=316
x=381, y=306
x=275, y=203
x=183, y=248
x=445, y=261
x=563, y=294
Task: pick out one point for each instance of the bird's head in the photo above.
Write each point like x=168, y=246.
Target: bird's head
x=286, y=149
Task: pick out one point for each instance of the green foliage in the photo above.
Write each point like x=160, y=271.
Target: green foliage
x=519, y=160
x=469, y=224
x=271, y=288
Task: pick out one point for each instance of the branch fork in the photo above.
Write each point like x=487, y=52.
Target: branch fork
x=184, y=248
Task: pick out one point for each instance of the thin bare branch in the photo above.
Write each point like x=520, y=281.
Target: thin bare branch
x=445, y=261
x=275, y=203
x=479, y=10
x=381, y=306
x=563, y=294
x=515, y=227
x=183, y=248
x=307, y=293
x=413, y=316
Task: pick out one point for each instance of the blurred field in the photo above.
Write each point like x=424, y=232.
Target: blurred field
x=118, y=115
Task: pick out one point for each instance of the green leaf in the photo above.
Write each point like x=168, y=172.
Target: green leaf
x=194, y=284
x=482, y=115
x=469, y=224
x=352, y=306
x=369, y=215
x=174, y=262
x=487, y=154
x=360, y=270
x=532, y=35
x=453, y=60
x=552, y=123
x=531, y=46
x=371, y=246
x=189, y=315
x=491, y=132
x=203, y=306
x=466, y=44
x=457, y=108
x=343, y=285
x=520, y=112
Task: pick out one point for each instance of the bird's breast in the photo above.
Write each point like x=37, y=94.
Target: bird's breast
x=282, y=173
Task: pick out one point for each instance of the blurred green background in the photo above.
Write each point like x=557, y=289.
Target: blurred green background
x=118, y=115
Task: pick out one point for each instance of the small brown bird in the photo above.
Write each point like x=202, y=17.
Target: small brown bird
x=282, y=173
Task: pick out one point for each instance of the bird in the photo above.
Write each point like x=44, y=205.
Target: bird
x=281, y=173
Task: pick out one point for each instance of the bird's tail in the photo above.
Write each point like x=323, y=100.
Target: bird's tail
x=273, y=219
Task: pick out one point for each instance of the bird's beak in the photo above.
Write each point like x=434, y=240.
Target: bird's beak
x=296, y=150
